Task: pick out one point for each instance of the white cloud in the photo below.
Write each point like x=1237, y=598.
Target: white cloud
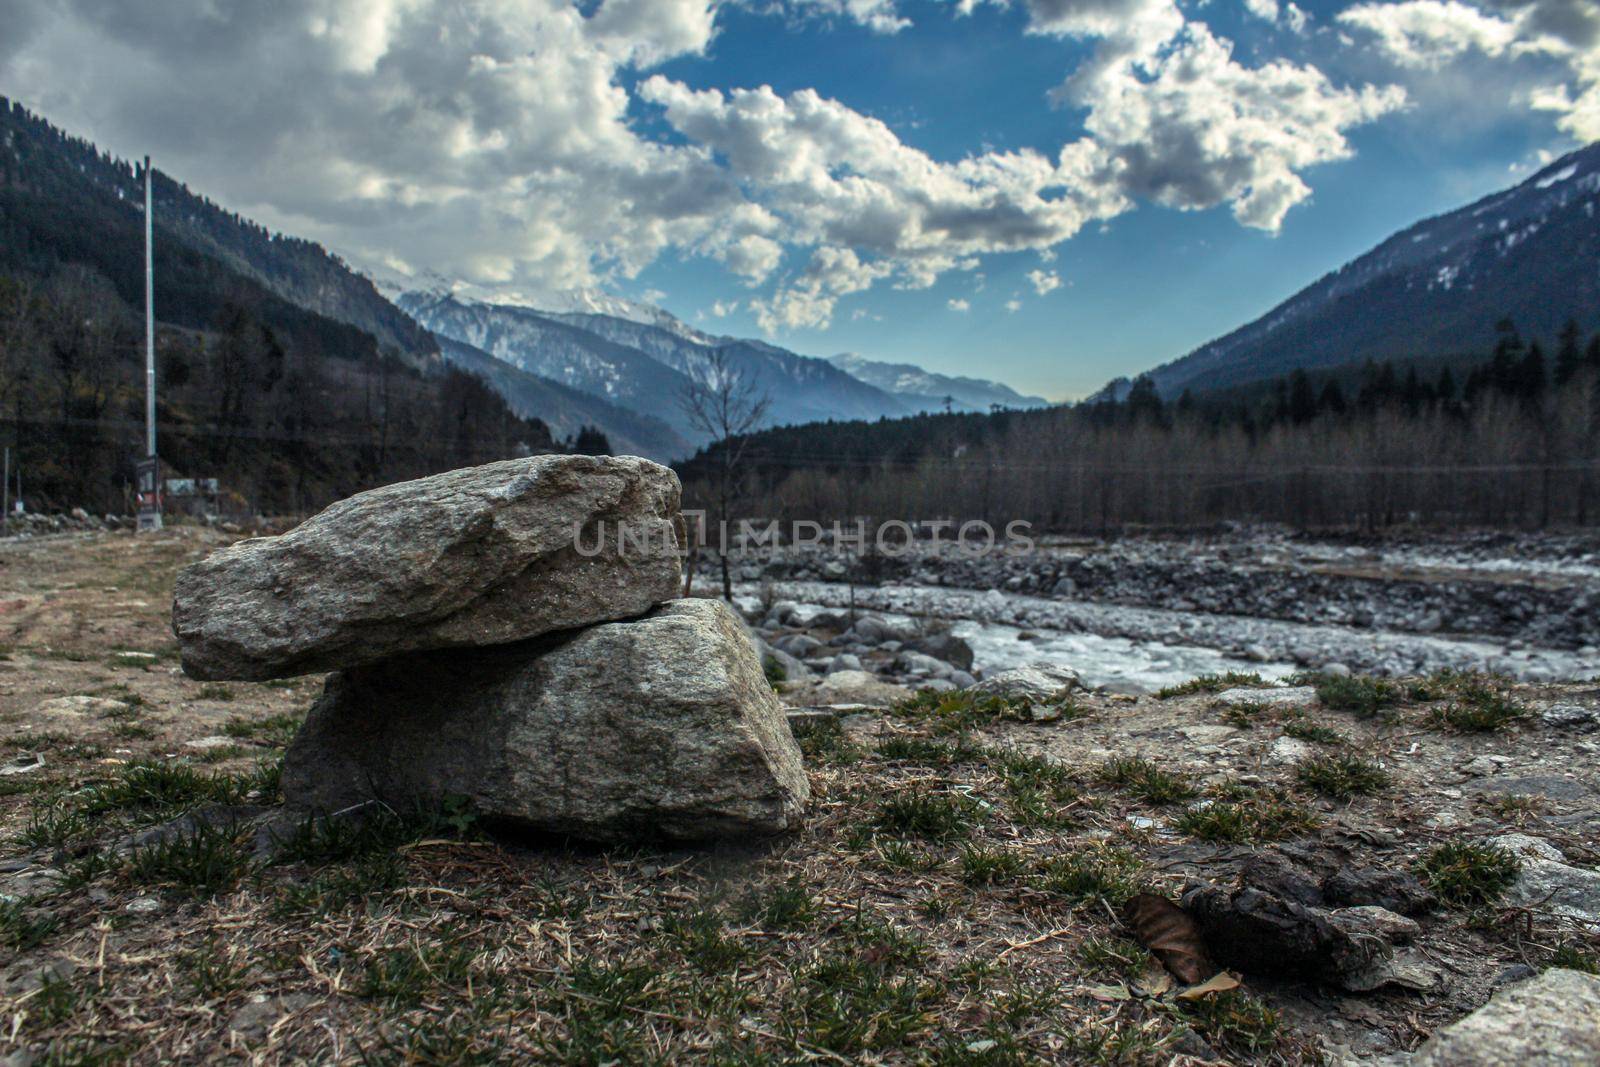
x=721, y=309
x=958, y=305
x=1263, y=9
x=1427, y=34
x=842, y=181
x=497, y=141
x=1044, y=281
x=1189, y=127
x=880, y=16
x=807, y=302
x=1013, y=305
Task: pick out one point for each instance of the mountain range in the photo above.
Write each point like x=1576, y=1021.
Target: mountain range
x=584, y=357
x=928, y=391
x=639, y=358
x=1433, y=291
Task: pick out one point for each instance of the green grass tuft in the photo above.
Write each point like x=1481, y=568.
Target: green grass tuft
x=1469, y=875
x=1356, y=693
x=925, y=814
x=1250, y=815
x=990, y=866
x=1144, y=780
x=22, y=928
x=1212, y=683
x=1092, y=875
x=1342, y=777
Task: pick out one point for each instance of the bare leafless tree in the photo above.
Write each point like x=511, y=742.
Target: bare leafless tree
x=724, y=402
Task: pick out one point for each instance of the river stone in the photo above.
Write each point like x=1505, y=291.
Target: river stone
x=1038, y=681
x=1268, y=697
x=480, y=556
x=1549, y=1021
x=662, y=726
x=1547, y=882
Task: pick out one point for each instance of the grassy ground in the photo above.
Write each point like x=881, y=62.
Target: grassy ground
x=952, y=898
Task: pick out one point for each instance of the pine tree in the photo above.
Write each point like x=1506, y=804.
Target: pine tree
x=1445, y=390
x=1530, y=381
x=1302, y=401
x=1569, y=356
x=591, y=441
x=1331, y=402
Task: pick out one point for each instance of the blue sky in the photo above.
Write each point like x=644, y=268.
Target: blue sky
x=1047, y=192
x=1146, y=287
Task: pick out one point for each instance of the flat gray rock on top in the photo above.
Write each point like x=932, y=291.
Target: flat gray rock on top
x=478, y=556
x=662, y=726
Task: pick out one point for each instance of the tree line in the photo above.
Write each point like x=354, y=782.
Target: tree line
x=1511, y=439
x=286, y=424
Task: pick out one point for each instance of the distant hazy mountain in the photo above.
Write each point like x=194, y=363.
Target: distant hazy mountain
x=565, y=409
x=802, y=388
x=644, y=366
x=924, y=390
x=1435, y=289
x=555, y=350
x=600, y=302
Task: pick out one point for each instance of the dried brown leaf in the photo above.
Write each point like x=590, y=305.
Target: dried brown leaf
x=1221, y=982
x=1164, y=928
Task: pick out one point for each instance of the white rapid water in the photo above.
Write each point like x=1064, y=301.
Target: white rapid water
x=1146, y=648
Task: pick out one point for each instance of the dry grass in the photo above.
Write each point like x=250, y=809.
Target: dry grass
x=950, y=899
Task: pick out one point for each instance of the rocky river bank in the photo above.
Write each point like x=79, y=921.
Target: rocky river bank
x=1137, y=614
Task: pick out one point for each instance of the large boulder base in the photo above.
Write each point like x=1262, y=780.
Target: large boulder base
x=662, y=726
x=1549, y=1021
x=480, y=556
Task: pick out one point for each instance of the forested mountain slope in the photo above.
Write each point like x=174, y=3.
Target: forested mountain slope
x=58, y=181
x=1435, y=289
x=567, y=410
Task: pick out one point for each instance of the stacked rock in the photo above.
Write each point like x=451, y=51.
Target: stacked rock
x=508, y=634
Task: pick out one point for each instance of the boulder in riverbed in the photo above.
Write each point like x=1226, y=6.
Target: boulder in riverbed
x=662, y=726
x=481, y=556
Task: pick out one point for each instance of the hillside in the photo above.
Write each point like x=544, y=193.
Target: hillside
x=44, y=171
x=1436, y=289
x=567, y=410
x=550, y=349
x=287, y=406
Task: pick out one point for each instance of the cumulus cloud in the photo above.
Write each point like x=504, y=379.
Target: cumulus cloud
x=880, y=16
x=957, y=304
x=1427, y=33
x=1013, y=305
x=844, y=182
x=1263, y=9
x=807, y=302
x=1190, y=127
x=1430, y=33
x=489, y=141
x=498, y=141
x=1044, y=281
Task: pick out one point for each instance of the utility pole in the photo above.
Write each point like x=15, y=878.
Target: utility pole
x=149, y=467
